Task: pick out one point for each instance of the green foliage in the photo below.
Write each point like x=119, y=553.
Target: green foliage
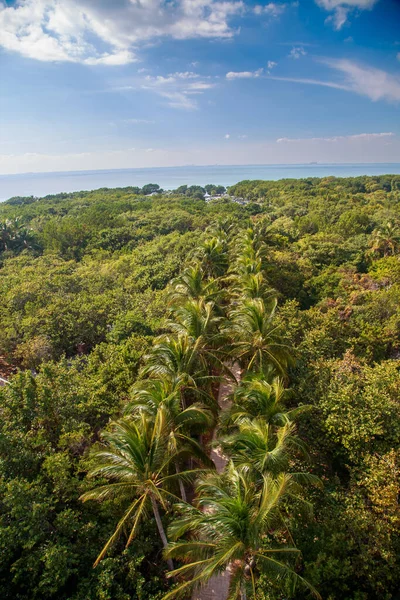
x=302, y=281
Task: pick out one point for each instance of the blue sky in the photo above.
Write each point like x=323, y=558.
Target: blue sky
x=93, y=84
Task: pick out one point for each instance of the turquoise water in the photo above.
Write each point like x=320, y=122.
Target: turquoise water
x=41, y=184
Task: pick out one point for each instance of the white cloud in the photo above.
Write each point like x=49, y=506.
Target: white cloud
x=364, y=137
x=341, y=9
x=272, y=9
x=296, y=52
x=271, y=64
x=74, y=30
x=244, y=74
x=368, y=81
x=177, y=88
x=227, y=136
x=118, y=58
x=160, y=80
x=199, y=85
x=179, y=100
x=310, y=81
x=185, y=75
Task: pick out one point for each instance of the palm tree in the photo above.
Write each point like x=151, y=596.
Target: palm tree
x=251, y=252
x=386, y=240
x=178, y=359
x=138, y=464
x=231, y=529
x=193, y=355
x=198, y=319
x=158, y=398
x=192, y=284
x=14, y=235
x=7, y=233
x=251, y=285
x=263, y=448
x=174, y=358
x=256, y=340
x=213, y=257
x=255, y=397
x=201, y=322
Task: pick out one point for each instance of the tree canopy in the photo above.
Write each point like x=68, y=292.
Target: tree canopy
x=123, y=313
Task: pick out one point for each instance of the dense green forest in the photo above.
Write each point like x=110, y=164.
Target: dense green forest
x=123, y=313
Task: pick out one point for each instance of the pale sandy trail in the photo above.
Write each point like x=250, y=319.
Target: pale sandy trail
x=217, y=587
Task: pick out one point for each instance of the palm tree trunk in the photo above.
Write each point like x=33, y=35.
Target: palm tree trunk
x=243, y=592
x=161, y=530
x=181, y=486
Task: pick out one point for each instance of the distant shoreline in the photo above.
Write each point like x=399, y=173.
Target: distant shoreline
x=210, y=166
x=48, y=183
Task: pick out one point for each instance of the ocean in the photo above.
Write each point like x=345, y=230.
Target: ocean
x=41, y=184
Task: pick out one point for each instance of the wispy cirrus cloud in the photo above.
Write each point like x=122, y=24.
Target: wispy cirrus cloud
x=341, y=9
x=311, y=81
x=365, y=80
x=79, y=30
x=178, y=88
x=375, y=84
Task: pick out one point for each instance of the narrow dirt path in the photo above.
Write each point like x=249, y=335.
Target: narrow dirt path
x=218, y=586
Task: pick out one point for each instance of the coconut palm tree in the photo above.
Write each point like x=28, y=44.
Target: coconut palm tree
x=231, y=529
x=178, y=359
x=255, y=397
x=264, y=448
x=192, y=284
x=193, y=354
x=198, y=319
x=137, y=461
x=158, y=398
x=8, y=231
x=256, y=340
x=175, y=358
x=251, y=285
x=14, y=235
x=213, y=257
x=250, y=252
x=386, y=240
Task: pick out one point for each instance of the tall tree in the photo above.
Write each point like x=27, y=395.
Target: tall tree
x=138, y=464
x=230, y=529
x=192, y=284
x=159, y=399
x=256, y=340
x=256, y=397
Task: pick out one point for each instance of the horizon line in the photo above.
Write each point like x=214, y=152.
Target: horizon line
x=307, y=164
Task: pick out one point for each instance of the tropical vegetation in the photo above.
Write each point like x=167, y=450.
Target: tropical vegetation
x=203, y=391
